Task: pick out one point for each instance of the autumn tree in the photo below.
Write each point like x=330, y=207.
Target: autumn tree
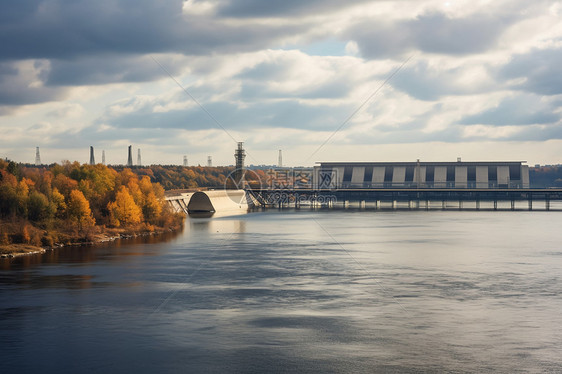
x=124, y=211
x=79, y=210
x=57, y=200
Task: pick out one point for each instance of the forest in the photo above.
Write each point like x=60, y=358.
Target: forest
x=72, y=203
x=545, y=176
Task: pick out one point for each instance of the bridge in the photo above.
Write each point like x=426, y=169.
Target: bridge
x=411, y=198
x=223, y=200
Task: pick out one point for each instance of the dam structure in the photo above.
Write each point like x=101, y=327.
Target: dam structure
x=488, y=185
x=474, y=185
x=209, y=201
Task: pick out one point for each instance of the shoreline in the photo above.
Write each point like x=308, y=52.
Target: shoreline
x=20, y=249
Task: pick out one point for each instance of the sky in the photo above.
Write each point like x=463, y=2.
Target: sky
x=321, y=80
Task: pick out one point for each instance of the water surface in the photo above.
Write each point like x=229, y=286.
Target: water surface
x=296, y=291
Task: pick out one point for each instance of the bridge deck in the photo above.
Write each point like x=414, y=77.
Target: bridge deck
x=331, y=197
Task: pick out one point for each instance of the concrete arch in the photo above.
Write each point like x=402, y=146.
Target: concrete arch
x=215, y=201
x=200, y=203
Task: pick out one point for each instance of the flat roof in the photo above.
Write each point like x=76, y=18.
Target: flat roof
x=424, y=163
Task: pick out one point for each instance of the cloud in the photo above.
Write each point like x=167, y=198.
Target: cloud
x=430, y=33
x=266, y=114
x=276, y=74
x=286, y=8
x=523, y=109
x=23, y=83
x=95, y=70
x=431, y=82
x=539, y=71
x=67, y=29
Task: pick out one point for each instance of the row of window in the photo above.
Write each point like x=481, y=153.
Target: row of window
x=514, y=174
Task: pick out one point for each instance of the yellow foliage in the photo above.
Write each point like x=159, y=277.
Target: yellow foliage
x=79, y=209
x=124, y=211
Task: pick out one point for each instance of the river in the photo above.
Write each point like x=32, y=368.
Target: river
x=296, y=291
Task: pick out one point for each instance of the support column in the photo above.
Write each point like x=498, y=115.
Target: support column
x=495, y=205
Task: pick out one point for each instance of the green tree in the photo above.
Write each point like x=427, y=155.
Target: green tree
x=38, y=207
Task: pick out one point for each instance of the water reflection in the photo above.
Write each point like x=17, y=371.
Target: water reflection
x=110, y=251
x=226, y=224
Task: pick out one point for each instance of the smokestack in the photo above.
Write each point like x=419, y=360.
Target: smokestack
x=130, y=158
x=37, y=157
x=92, y=159
x=209, y=161
x=103, y=157
x=139, y=163
x=184, y=160
x=280, y=161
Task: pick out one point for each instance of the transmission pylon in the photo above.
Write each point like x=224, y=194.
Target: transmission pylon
x=92, y=158
x=37, y=157
x=239, y=156
x=209, y=161
x=184, y=160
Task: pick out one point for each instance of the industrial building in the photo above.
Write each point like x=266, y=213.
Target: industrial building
x=460, y=174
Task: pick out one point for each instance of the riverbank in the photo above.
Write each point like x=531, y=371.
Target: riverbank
x=108, y=235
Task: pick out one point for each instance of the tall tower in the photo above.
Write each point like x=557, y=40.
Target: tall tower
x=92, y=159
x=37, y=157
x=139, y=163
x=209, y=161
x=280, y=161
x=103, y=157
x=130, y=158
x=239, y=156
x=185, y=160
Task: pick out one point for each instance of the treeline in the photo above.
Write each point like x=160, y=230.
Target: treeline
x=181, y=177
x=62, y=203
x=545, y=176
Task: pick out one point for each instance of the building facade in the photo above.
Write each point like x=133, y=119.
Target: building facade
x=460, y=174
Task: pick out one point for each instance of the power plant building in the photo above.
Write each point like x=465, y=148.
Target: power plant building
x=460, y=174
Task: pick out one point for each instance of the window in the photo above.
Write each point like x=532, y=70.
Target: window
x=450, y=173
x=492, y=176
x=492, y=173
x=471, y=174
x=388, y=172
x=430, y=173
x=347, y=172
x=514, y=172
x=368, y=176
x=409, y=174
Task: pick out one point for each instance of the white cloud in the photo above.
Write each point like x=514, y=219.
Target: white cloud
x=281, y=75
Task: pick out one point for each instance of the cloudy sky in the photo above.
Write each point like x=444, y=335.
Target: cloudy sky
x=477, y=79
